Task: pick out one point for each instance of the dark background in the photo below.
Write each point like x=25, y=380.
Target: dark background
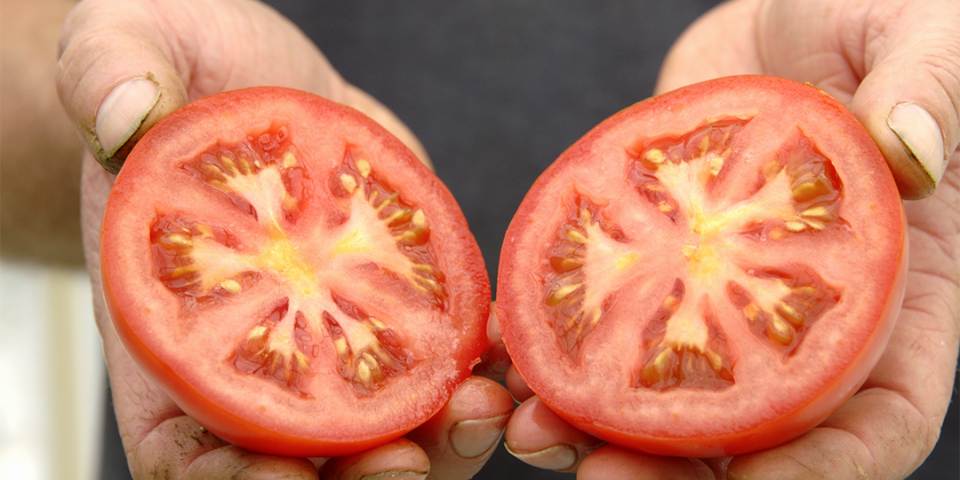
x=495, y=90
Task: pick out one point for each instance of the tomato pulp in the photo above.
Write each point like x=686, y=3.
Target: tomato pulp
x=708, y=272
x=291, y=274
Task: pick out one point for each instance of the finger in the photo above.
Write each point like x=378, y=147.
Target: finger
x=889, y=427
x=180, y=448
x=710, y=48
x=124, y=65
x=614, y=463
x=910, y=97
x=517, y=385
x=116, y=75
x=372, y=108
x=460, y=439
x=400, y=459
x=496, y=360
x=540, y=438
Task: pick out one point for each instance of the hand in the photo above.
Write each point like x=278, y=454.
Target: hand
x=123, y=66
x=872, y=55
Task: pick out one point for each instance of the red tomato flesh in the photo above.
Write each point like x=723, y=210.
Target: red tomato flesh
x=709, y=272
x=291, y=274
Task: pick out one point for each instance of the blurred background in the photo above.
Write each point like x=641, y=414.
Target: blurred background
x=494, y=89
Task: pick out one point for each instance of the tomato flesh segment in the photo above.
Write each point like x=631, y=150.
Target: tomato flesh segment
x=203, y=263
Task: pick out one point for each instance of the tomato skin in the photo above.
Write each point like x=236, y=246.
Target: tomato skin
x=605, y=416
x=136, y=300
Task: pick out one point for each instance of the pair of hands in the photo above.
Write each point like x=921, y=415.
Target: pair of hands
x=894, y=62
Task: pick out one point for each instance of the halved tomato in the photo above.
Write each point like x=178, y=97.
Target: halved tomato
x=291, y=274
x=708, y=272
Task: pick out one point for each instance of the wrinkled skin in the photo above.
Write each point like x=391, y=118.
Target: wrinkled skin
x=196, y=48
x=864, y=53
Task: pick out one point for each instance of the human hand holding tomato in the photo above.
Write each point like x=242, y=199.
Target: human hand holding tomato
x=123, y=66
x=890, y=62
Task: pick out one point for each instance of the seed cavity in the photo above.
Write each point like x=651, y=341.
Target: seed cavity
x=260, y=176
x=691, y=356
x=781, y=305
x=277, y=348
x=565, y=288
x=662, y=166
x=408, y=224
x=197, y=262
x=815, y=187
x=368, y=351
x=672, y=366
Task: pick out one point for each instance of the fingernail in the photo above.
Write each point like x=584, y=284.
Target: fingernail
x=122, y=112
x=472, y=438
x=397, y=475
x=557, y=457
x=920, y=134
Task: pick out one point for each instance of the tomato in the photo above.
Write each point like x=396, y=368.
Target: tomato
x=291, y=274
x=708, y=272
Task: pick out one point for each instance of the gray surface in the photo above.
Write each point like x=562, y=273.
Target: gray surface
x=496, y=90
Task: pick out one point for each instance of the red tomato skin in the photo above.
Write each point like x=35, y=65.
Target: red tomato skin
x=766, y=435
x=244, y=431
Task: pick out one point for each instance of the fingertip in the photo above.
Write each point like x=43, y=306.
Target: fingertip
x=615, y=463
x=479, y=397
x=114, y=78
x=494, y=336
x=461, y=437
x=909, y=137
x=496, y=360
x=400, y=459
x=480, y=410
x=540, y=438
x=517, y=385
x=232, y=463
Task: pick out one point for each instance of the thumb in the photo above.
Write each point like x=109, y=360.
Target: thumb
x=116, y=77
x=909, y=99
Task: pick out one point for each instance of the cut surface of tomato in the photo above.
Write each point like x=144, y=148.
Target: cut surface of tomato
x=708, y=272
x=291, y=274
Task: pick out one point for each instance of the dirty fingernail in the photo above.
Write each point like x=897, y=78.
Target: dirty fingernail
x=396, y=475
x=920, y=135
x=557, y=457
x=122, y=112
x=472, y=438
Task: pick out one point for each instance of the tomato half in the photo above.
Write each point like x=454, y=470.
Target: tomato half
x=708, y=272
x=291, y=274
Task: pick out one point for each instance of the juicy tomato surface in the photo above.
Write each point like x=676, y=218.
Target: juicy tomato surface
x=709, y=272
x=291, y=274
